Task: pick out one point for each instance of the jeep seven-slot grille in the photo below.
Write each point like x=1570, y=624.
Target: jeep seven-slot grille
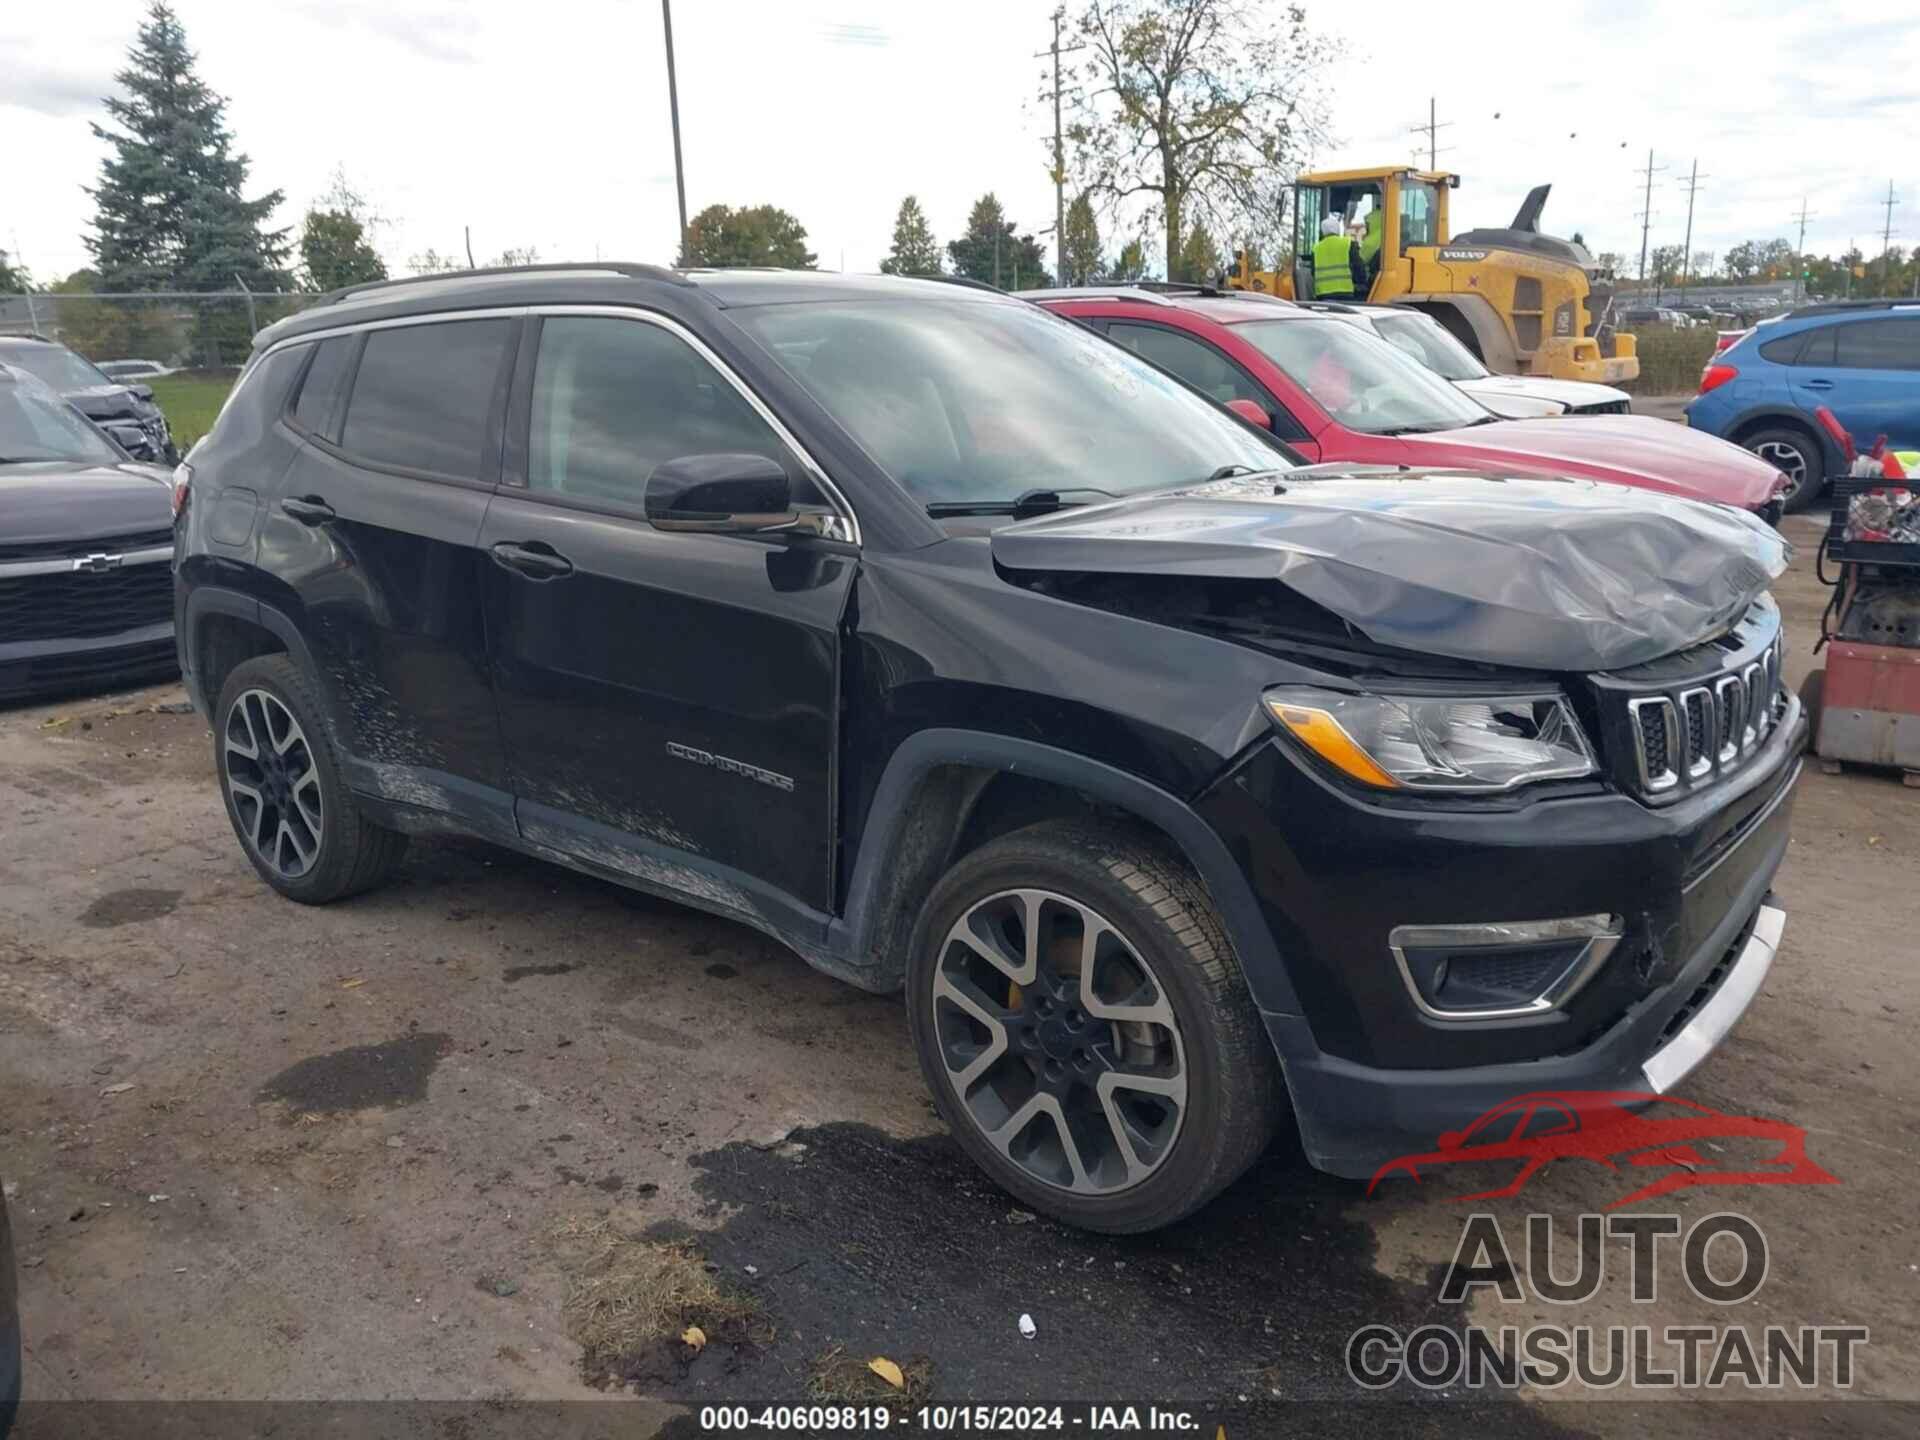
x=1690, y=735
x=79, y=604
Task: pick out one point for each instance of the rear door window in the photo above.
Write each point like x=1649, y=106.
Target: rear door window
x=316, y=410
x=425, y=396
x=1878, y=345
x=1819, y=347
x=1785, y=350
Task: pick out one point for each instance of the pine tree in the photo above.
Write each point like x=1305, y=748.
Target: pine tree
x=1084, y=260
x=991, y=251
x=915, y=251
x=1200, y=262
x=334, y=251
x=1132, y=264
x=14, y=279
x=170, y=210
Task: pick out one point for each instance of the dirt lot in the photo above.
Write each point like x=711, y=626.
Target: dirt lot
x=370, y=1151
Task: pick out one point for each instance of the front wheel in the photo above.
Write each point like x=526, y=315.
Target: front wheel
x=1081, y=1020
x=1795, y=454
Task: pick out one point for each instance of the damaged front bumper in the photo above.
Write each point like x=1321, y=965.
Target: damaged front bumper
x=1373, y=1074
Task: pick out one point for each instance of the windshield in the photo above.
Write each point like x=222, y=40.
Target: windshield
x=38, y=426
x=970, y=402
x=1363, y=382
x=56, y=365
x=1428, y=342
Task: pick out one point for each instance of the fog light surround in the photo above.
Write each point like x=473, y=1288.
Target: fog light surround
x=1504, y=970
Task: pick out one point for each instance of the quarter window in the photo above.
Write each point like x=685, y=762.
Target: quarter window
x=319, y=397
x=424, y=396
x=613, y=399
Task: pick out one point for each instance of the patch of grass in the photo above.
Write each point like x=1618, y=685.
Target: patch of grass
x=190, y=401
x=836, y=1377
x=626, y=1294
x=1670, y=360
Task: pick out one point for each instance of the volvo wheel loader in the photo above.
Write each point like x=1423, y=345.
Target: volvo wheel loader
x=1524, y=302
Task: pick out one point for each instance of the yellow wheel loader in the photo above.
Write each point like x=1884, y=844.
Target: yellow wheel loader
x=1524, y=302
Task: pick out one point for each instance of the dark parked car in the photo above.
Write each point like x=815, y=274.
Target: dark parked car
x=123, y=408
x=969, y=654
x=86, y=541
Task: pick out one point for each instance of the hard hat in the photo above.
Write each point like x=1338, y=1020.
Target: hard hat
x=1331, y=225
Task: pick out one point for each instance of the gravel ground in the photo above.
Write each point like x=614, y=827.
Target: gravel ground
x=262, y=1152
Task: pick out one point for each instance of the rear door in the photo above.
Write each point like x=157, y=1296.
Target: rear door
x=375, y=528
x=1867, y=371
x=668, y=699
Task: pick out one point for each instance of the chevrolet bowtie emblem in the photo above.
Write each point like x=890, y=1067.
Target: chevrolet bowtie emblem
x=97, y=564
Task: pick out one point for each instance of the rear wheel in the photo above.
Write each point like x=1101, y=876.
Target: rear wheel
x=294, y=816
x=1813, y=699
x=1795, y=454
x=1083, y=1025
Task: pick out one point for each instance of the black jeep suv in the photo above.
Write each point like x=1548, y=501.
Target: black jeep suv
x=967, y=653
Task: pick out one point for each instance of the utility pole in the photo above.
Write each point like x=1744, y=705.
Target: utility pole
x=1433, y=127
x=673, y=103
x=1056, y=50
x=1800, y=255
x=1686, y=250
x=1646, y=216
x=1886, y=239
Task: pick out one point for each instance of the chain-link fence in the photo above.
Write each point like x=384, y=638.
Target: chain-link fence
x=177, y=329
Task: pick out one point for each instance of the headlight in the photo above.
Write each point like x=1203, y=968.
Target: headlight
x=1436, y=743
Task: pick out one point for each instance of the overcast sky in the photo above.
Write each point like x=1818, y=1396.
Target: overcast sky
x=546, y=124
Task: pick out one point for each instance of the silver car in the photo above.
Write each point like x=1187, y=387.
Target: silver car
x=1511, y=397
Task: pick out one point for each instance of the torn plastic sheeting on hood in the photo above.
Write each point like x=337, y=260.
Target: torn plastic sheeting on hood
x=1538, y=574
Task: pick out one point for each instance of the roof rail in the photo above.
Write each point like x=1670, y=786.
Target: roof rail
x=1328, y=307
x=602, y=267
x=1100, y=292
x=1841, y=307
x=967, y=280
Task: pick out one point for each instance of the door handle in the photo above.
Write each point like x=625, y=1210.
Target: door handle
x=535, y=560
x=309, y=511
x=1819, y=384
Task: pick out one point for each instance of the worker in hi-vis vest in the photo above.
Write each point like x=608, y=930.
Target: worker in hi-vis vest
x=1370, y=245
x=1338, y=273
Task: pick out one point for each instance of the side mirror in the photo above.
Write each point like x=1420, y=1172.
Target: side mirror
x=1251, y=412
x=145, y=392
x=1451, y=1140
x=721, y=494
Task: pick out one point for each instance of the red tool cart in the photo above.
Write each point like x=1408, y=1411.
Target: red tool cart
x=1865, y=705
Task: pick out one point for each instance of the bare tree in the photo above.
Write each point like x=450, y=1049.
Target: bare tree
x=1197, y=109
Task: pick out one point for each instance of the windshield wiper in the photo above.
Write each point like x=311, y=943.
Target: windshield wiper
x=1028, y=502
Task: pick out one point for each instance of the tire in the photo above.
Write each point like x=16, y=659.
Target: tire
x=268, y=702
x=1798, y=455
x=1143, y=1159
x=1813, y=699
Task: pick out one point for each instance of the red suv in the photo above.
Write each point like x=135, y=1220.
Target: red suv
x=1334, y=392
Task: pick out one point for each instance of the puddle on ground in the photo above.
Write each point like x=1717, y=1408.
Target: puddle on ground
x=393, y=1073
x=904, y=1249
x=128, y=907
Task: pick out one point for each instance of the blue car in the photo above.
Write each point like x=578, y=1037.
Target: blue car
x=1860, y=359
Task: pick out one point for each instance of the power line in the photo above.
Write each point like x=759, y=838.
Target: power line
x=1886, y=238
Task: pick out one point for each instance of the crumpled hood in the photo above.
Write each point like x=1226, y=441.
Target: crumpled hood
x=1626, y=449
x=109, y=402
x=1551, y=575
x=58, y=500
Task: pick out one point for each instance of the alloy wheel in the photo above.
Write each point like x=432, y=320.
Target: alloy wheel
x=274, y=783
x=1788, y=460
x=1059, y=1041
